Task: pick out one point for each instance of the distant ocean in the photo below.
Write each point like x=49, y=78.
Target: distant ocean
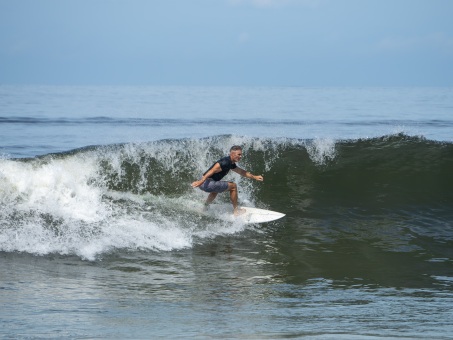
x=98, y=238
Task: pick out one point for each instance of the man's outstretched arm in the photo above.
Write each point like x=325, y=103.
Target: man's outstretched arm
x=247, y=174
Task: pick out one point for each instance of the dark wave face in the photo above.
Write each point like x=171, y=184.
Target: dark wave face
x=390, y=172
x=353, y=205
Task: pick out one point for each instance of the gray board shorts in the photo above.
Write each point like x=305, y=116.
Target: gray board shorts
x=214, y=186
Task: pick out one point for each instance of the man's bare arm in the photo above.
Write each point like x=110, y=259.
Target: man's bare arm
x=247, y=174
x=215, y=169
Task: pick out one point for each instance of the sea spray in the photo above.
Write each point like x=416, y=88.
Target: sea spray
x=321, y=150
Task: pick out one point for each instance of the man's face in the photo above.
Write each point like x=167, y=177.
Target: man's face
x=236, y=155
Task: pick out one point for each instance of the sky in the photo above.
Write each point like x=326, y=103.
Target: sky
x=227, y=42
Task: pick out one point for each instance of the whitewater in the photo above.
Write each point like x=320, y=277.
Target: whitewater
x=99, y=224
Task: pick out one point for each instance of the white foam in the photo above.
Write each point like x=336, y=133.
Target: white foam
x=321, y=150
x=60, y=188
x=63, y=205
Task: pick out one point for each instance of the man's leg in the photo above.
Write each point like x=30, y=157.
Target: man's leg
x=211, y=197
x=232, y=187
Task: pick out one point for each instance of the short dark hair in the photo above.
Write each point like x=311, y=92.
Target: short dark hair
x=235, y=148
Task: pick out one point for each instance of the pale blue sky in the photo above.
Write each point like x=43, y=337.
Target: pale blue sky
x=227, y=42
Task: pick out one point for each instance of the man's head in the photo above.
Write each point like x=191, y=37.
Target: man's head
x=235, y=153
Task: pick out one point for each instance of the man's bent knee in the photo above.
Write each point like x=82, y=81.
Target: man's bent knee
x=232, y=186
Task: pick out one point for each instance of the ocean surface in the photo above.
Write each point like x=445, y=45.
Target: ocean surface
x=99, y=237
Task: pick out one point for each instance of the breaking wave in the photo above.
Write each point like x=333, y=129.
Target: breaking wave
x=99, y=199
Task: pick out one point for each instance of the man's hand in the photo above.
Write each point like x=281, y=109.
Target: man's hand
x=258, y=178
x=196, y=184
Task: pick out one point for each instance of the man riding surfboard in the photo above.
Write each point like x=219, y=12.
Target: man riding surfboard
x=211, y=181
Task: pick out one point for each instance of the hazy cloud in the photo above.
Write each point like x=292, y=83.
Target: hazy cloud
x=438, y=41
x=18, y=47
x=274, y=3
x=243, y=38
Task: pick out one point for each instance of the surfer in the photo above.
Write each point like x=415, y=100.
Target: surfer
x=211, y=181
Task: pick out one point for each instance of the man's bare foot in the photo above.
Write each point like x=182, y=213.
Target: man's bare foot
x=239, y=211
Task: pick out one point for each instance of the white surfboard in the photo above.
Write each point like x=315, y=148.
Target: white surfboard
x=251, y=215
